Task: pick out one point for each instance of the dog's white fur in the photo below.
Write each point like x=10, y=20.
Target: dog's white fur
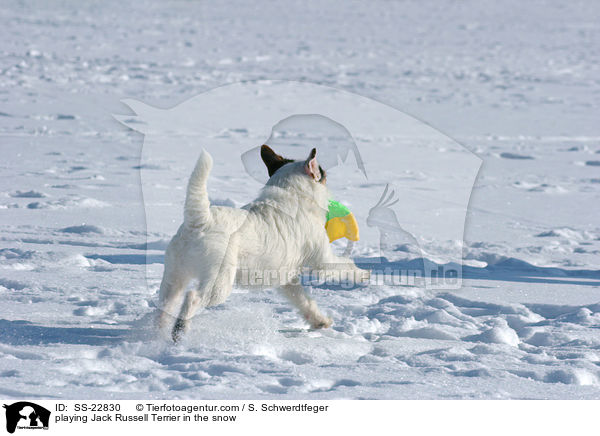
x=272, y=238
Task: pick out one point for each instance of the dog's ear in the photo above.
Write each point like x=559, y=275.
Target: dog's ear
x=311, y=166
x=272, y=160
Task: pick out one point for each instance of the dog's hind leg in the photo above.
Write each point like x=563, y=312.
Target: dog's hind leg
x=207, y=294
x=306, y=305
x=171, y=287
x=211, y=290
x=194, y=300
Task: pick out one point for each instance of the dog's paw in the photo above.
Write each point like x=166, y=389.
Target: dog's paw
x=178, y=330
x=322, y=322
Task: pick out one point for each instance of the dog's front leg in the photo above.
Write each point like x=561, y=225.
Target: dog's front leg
x=306, y=305
x=341, y=269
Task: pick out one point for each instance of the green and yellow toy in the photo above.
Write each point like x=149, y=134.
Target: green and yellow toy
x=340, y=222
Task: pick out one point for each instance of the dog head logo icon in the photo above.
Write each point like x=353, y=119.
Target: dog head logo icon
x=26, y=415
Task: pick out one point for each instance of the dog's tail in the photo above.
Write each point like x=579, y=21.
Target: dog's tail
x=197, y=206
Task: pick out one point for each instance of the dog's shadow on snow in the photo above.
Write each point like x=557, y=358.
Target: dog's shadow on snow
x=22, y=332
x=508, y=270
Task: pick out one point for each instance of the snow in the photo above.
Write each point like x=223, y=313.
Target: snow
x=515, y=84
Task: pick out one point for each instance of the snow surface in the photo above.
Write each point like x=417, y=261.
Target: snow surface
x=517, y=84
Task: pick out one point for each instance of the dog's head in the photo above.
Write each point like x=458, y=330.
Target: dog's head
x=279, y=167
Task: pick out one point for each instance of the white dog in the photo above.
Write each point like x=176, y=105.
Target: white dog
x=264, y=244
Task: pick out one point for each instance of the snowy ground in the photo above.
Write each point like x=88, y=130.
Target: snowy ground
x=515, y=83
